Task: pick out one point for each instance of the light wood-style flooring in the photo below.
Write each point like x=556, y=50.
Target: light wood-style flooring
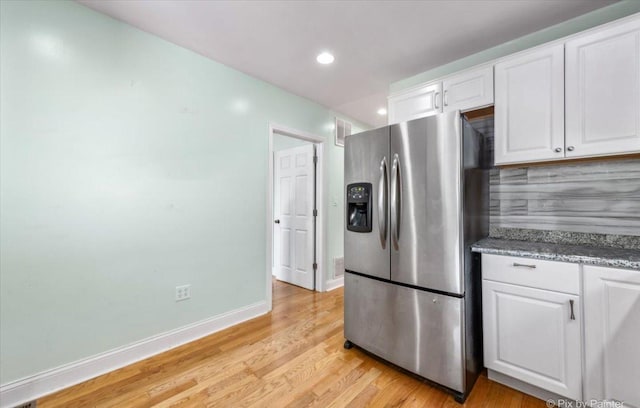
x=292, y=357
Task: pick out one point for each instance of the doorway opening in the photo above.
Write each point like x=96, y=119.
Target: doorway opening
x=295, y=210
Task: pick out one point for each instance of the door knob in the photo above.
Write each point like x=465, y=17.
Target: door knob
x=558, y=149
x=570, y=148
x=276, y=221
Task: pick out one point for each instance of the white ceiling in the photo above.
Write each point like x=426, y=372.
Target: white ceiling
x=375, y=42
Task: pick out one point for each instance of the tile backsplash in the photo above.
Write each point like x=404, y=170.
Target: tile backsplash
x=596, y=197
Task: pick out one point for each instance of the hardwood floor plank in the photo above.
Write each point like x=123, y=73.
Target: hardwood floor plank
x=303, y=400
x=292, y=357
x=214, y=387
x=424, y=397
x=337, y=381
x=228, y=396
x=292, y=365
x=364, y=398
x=301, y=386
x=149, y=399
x=356, y=388
x=395, y=392
x=338, y=384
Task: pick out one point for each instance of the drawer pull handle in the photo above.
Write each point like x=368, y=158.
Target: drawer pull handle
x=524, y=265
x=573, y=316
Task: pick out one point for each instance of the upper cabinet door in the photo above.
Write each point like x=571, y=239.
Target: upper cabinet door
x=529, y=107
x=469, y=90
x=603, y=92
x=419, y=103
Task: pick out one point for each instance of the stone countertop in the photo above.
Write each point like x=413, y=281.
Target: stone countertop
x=589, y=255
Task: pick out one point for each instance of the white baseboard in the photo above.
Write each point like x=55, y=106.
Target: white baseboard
x=335, y=283
x=49, y=381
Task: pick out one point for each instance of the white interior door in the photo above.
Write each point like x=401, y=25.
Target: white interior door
x=293, y=233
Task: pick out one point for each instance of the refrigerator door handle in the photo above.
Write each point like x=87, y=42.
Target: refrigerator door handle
x=396, y=201
x=383, y=199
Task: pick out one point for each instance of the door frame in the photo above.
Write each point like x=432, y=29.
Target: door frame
x=321, y=226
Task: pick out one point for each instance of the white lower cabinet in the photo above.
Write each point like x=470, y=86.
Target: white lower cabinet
x=533, y=335
x=532, y=322
x=612, y=334
x=533, y=319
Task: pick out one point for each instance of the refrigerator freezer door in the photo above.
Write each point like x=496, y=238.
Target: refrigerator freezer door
x=419, y=331
x=366, y=160
x=426, y=203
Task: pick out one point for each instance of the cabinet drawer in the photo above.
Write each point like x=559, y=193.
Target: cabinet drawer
x=534, y=273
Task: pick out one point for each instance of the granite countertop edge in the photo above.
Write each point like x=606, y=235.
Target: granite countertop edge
x=598, y=256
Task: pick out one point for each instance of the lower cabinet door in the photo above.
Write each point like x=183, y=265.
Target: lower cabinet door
x=612, y=335
x=533, y=335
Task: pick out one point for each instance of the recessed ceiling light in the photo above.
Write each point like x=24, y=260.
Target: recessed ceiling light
x=382, y=111
x=325, y=58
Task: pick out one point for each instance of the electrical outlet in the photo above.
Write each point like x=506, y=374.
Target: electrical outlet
x=183, y=292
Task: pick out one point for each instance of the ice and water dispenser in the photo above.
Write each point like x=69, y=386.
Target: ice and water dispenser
x=359, y=207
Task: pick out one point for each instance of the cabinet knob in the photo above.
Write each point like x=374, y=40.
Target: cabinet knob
x=558, y=149
x=570, y=148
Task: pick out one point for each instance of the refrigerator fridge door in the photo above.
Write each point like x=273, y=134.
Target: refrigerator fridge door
x=366, y=164
x=417, y=330
x=426, y=203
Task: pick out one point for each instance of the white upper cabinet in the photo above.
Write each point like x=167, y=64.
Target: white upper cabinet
x=465, y=91
x=529, y=107
x=571, y=99
x=418, y=103
x=469, y=90
x=612, y=330
x=603, y=92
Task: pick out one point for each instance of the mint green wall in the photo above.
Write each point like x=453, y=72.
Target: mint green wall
x=125, y=162
x=580, y=23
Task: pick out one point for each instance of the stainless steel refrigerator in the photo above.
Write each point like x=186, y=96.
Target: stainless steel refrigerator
x=417, y=196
